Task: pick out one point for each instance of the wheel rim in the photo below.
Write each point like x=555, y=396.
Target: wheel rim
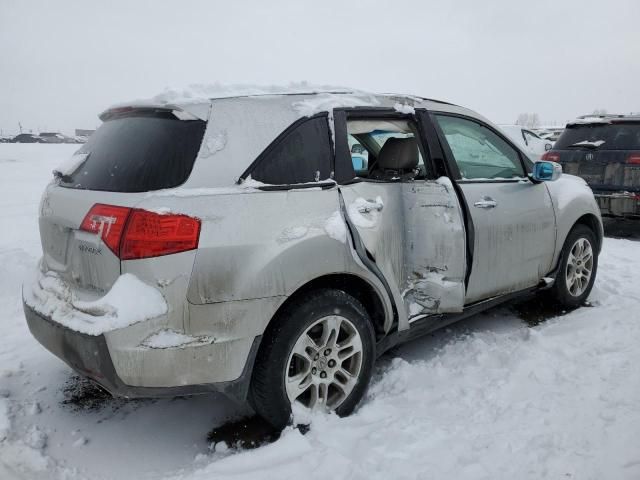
x=579, y=267
x=324, y=364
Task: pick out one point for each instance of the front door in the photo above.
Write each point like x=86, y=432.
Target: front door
x=513, y=218
x=409, y=224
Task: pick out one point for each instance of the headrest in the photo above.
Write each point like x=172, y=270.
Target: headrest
x=398, y=154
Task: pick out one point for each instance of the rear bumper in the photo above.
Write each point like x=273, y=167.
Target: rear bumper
x=90, y=356
x=619, y=204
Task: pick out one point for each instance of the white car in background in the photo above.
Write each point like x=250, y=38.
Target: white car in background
x=527, y=140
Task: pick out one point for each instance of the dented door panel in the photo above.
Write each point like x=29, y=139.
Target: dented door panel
x=414, y=232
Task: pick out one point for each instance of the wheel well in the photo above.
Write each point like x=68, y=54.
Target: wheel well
x=354, y=286
x=591, y=221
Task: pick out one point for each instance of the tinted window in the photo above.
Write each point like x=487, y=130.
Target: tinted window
x=302, y=155
x=617, y=136
x=478, y=151
x=138, y=154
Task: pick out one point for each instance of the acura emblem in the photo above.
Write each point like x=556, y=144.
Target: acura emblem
x=588, y=156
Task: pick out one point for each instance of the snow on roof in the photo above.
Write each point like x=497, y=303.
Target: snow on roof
x=196, y=98
x=587, y=120
x=202, y=92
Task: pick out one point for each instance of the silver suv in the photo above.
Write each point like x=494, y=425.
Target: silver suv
x=243, y=245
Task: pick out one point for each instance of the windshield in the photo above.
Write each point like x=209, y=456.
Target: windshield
x=615, y=136
x=138, y=153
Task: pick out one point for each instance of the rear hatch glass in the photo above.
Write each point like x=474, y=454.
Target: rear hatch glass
x=604, y=154
x=614, y=136
x=138, y=152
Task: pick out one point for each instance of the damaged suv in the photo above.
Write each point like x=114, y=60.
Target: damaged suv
x=238, y=245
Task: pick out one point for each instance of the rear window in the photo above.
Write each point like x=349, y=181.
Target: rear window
x=616, y=136
x=138, y=153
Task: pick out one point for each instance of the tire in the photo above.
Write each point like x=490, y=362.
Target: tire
x=319, y=369
x=573, y=294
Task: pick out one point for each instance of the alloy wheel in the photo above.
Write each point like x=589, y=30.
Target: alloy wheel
x=324, y=364
x=579, y=267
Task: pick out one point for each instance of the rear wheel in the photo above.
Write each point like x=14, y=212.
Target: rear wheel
x=319, y=353
x=577, y=270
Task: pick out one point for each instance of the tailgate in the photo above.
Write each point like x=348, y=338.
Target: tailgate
x=606, y=170
x=81, y=258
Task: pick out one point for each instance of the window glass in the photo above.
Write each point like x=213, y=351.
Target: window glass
x=303, y=155
x=616, y=136
x=359, y=155
x=140, y=152
x=367, y=139
x=478, y=152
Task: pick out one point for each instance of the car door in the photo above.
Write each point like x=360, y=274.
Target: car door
x=513, y=217
x=409, y=226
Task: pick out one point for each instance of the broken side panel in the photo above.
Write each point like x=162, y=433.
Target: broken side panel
x=414, y=233
x=434, y=250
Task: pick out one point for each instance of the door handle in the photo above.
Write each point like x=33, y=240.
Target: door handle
x=370, y=205
x=486, y=202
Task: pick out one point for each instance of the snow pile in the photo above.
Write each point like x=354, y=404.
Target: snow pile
x=588, y=143
x=197, y=93
x=335, y=227
x=326, y=102
x=213, y=144
x=171, y=339
x=361, y=207
x=404, y=108
x=588, y=120
x=292, y=233
x=129, y=301
x=71, y=164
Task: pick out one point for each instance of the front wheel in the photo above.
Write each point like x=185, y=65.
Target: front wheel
x=577, y=269
x=319, y=353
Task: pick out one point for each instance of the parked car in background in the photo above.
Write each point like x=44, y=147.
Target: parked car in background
x=26, y=138
x=185, y=251
x=55, y=137
x=605, y=151
x=51, y=137
x=527, y=140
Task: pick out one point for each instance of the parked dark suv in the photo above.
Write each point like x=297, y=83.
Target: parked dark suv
x=604, y=151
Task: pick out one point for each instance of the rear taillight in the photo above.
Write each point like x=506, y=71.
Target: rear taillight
x=108, y=222
x=633, y=159
x=151, y=234
x=135, y=234
x=551, y=157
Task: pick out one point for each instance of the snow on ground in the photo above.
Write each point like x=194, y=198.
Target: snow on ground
x=488, y=398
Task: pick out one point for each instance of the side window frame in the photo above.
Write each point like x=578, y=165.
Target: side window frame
x=264, y=155
x=344, y=171
x=450, y=159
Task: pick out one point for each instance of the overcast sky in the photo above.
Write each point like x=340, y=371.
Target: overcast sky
x=62, y=62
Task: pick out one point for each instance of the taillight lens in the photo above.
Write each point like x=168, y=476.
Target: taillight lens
x=151, y=234
x=108, y=222
x=135, y=234
x=551, y=157
x=633, y=159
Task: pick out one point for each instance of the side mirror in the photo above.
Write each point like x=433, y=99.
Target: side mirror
x=547, y=147
x=546, y=171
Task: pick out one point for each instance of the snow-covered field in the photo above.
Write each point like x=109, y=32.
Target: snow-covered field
x=489, y=398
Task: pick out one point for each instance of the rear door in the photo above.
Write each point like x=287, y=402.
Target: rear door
x=513, y=218
x=410, y=225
